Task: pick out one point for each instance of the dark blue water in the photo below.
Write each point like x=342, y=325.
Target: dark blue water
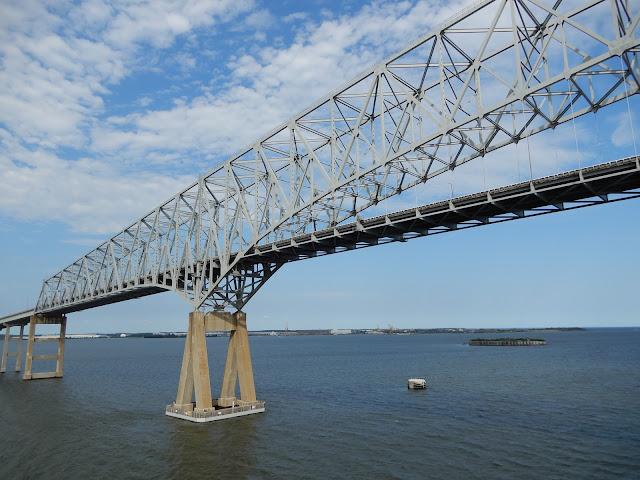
x=337, y=407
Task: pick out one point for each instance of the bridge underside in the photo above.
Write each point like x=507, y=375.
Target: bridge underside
x=609, y=182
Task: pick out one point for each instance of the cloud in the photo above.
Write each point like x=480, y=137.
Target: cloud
x=259, y=19
x=295, y=17
x=158, y=22
x=269, y=85
x=60, y=64
x=90, y=242
x=627, y=127
x=91, y=196
x=144, y=101
x=131, y=99
x=60, y=61
x=45, y=98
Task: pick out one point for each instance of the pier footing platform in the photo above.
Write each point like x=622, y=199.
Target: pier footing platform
x=192, y=414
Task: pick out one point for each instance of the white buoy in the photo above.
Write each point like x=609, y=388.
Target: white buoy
x=417, y=383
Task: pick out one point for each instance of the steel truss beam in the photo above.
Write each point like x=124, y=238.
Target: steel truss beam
x=498, y=72
x=610, y=182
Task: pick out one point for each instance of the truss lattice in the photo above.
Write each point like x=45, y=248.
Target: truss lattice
x=498, y=72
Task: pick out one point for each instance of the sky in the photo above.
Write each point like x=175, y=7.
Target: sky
x=109, y=108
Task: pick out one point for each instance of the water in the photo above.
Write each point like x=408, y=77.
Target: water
x=337, y=407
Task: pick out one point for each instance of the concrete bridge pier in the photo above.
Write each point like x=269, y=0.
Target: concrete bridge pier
x=238, y=365
x=5, y=350
x=194, y=374
x=59, y=357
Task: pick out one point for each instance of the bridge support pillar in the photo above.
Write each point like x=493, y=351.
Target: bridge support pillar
x=59, y=357
x=5, y=350
x=194, y=375
x=238, y=366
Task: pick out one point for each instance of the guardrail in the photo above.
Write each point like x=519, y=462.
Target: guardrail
x=214, y=412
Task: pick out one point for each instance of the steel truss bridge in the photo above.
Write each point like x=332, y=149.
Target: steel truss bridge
x=495, y=74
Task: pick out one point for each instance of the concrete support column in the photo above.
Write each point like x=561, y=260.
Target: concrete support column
x=243, y=357
x=201, y=379
x=238, y=366
x=19, y=353
x=59, y=357
x=185, y=387
x=194, y=374
x=5, y=350
x=230, y=378
x=29, y=358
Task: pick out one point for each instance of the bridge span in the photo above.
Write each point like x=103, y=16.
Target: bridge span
x=603, y=183
x=496, y=74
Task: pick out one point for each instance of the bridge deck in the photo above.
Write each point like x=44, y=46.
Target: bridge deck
x=19, y=318
x=607, y=182
x=564, y=191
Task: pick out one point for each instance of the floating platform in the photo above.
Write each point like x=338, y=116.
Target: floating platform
x=192, y=414
x=417, y=384
x=507, y=342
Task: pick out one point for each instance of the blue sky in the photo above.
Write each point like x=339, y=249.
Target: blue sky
x=109, y=108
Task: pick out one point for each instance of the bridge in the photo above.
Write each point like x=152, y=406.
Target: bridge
x=494, y=75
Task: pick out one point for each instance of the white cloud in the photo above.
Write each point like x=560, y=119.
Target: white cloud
x=627, y=127
x=185, y=61
x=295, y=17
x=270, y=85
x=63, y=64
x=144, y=101
x=259, y=19
x=91, y=16
x=89, y=242
x=157, y=22
x=260, y=36
x=44, y=96
x=91, y=196
x=59, y=62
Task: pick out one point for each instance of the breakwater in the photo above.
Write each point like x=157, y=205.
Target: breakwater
x=507, y=342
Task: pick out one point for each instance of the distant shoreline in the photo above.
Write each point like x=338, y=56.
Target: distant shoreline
x=392, y=331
